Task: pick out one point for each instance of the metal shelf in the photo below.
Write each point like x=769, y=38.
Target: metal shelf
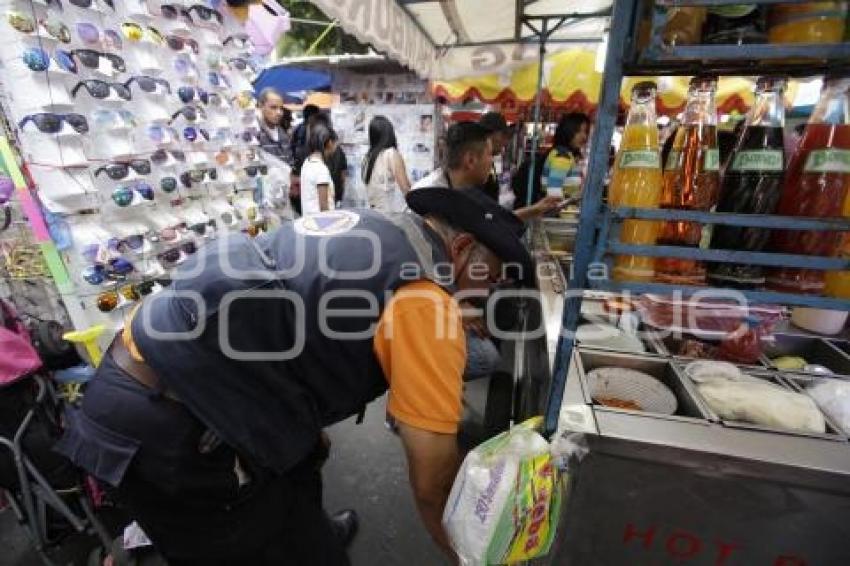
x=598, y=225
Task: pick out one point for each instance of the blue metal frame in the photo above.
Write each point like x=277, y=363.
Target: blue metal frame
x=599, y=228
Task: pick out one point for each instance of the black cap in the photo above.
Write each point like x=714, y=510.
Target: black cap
x=471, y=210
x=494, y=122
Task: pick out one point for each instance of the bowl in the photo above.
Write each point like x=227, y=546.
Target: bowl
x=631, y=387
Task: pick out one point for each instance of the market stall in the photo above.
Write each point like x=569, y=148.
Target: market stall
x=669, y=461
x=136, y=130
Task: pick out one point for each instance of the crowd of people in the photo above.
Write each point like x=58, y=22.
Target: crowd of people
x=319, y=165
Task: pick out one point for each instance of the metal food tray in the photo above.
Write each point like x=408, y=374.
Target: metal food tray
x=666, y=345
x=689, y=408
x=813, y=350
x=833, y=433
x=596, y=313
x=799, y=382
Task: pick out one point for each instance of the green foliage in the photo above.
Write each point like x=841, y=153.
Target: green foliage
x=301, y=36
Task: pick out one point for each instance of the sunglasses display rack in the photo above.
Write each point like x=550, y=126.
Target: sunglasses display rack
x=136, y=121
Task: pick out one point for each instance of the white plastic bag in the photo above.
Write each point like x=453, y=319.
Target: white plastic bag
x=505, y=500
x=833, y=398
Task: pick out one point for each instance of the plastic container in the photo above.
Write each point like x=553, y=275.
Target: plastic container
x=820, y=321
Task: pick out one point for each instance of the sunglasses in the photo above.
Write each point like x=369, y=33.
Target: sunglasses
x=239, y=41
x=178, y=43
x=123, y=196
x=169, y=233
x=190, y=134
x=205, y=14
x=218, y=80
x=252, y=170
x=135, y=32
x=176, y=256
x=188, y=93
x=91, y=59
x=50, y=123
x=120, y=171
x=190, y=113
x=201, y=228
x=121, y=118
x=38, y=60
x=100, y=89
x=241, y=64
x=185, y=68
x=160, y=156
x=188, y=178
x=25, y=24
x=115, y=269
x=168, y=184
x=173, y=11
x=134, y=242
x=161, y=134
x=91, y=35
x=85, y=3
x=110, y=300
x=148, y=84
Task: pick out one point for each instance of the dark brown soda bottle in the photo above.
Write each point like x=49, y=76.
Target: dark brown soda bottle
x=752, y=184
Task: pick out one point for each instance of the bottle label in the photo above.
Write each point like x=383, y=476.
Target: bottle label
x=758, y=160
x=828, y=161
x=733, y=10
x=712, y=160
x=640, y=159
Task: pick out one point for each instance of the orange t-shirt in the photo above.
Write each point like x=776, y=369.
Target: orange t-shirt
x=421, y=346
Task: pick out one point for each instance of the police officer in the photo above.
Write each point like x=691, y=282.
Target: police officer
x=207, y=412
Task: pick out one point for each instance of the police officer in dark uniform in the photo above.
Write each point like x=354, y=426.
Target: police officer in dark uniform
x=207, y=412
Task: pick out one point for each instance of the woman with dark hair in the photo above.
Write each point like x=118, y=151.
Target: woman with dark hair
x=317, y=186
x=384, y=172
x=561, y=169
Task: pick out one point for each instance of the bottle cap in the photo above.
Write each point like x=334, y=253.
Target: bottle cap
x=704, y=82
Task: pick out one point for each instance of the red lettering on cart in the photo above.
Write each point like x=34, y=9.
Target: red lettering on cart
x=724, y=551
x=631, y=532
x=691, y=547
x=786, y=560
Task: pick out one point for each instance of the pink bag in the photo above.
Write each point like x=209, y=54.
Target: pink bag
x=267, y=21
x=18, y=358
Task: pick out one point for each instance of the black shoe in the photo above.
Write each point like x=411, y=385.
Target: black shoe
x=344, y=525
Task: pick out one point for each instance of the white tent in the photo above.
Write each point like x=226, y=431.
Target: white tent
x=447, y=39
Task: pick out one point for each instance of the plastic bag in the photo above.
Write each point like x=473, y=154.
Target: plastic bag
x=505, y=501
x=833, y=398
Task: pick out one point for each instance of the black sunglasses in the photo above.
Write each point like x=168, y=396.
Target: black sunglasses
x=50, y=123
x=252, y=170
x=240, y=41
x=160, y=156
x=148, y=84
x=206, y=14
x=100, y=89
x=119, y=171
x=86, y=3
x=191, y=113
x=91, y=59
x=197, y=176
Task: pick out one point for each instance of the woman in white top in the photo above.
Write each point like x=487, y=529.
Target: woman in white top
x=384, y=172
x=317, y=186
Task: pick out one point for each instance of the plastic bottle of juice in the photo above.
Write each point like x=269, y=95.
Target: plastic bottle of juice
x=817, y=183
x=811, y=22
x=636, y=181
x=691, y=181
x=752, y=184
x=684, y=25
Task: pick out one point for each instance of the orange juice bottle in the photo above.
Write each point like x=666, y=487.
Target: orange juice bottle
x=636, y=182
